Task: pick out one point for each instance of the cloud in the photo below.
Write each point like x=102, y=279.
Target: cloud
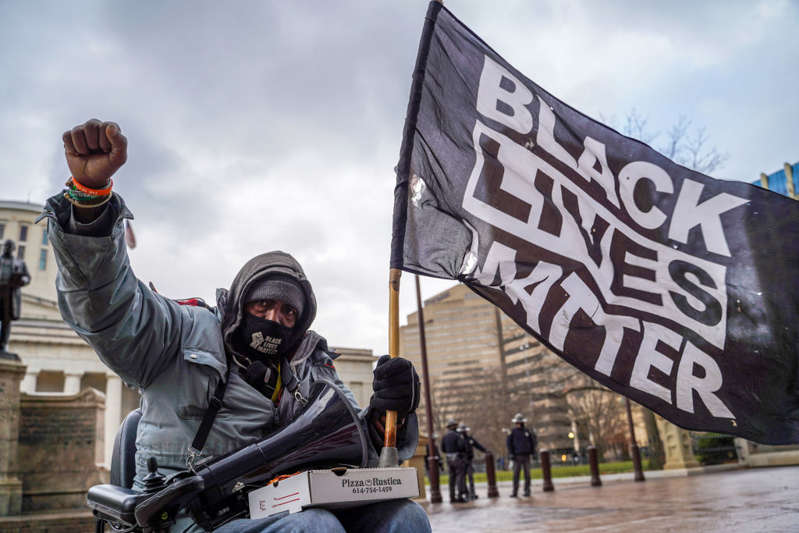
x=262, y=125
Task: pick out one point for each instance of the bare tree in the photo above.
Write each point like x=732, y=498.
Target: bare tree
x=477, y=400
x=636, y=126
x=657, y=453
x=676, y=134
x=600, y=411
x=684, y=144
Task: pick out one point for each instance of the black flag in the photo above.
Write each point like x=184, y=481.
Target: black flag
x=673, y=288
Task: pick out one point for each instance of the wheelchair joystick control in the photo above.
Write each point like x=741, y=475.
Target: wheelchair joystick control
x=153, y=481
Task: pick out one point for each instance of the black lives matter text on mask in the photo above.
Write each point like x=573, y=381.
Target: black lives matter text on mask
x=619, y=278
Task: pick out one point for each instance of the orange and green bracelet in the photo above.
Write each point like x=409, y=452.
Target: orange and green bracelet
x=83, y=196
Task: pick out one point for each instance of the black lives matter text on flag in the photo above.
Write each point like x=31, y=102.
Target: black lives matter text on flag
x=671, y=287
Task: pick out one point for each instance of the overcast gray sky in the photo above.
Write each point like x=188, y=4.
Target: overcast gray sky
x=276, y=125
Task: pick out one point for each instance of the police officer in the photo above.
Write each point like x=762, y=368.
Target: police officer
x=471, y=444
x=521, y=445
x=454, y=447
x=436, y=456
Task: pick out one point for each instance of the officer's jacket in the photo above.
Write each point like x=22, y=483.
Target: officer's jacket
x=521, y=441
x=471, y=444
x=452, y=442
x=177, y=354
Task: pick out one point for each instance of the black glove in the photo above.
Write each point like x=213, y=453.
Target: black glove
x=396, y=386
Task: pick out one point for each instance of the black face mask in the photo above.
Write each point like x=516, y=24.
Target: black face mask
x=261, y=337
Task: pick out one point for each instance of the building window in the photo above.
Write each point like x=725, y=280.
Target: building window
x=2, y=229
x=43, y=259
x=23, y=233
x=50, y=381
x=21, y=252
x=44, y=237
x=95, y=380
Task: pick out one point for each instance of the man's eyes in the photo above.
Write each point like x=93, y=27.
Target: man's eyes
x=266, y=305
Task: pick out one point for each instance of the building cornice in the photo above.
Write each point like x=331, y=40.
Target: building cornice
x=21, y=206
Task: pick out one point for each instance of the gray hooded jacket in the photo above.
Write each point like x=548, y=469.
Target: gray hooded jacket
x=177, y=354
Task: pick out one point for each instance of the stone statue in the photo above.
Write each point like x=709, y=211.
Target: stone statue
x=13, y=276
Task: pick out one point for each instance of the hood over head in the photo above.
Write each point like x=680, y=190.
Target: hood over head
x=271, y=264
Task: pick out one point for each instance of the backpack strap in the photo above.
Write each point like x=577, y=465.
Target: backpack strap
x=208, y=420
x=291, y=382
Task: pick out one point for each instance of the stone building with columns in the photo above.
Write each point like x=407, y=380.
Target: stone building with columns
x=60, y=362
x=57, y=360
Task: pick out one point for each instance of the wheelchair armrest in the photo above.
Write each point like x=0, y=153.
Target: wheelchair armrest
x=114, y=503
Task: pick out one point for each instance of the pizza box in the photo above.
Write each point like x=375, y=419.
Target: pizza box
x=333, y=489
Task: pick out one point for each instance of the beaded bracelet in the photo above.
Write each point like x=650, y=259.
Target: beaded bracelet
x=81, y=196
x=77, y=195
x=99, y=200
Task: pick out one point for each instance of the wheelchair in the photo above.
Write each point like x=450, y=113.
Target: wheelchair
x=327, y=433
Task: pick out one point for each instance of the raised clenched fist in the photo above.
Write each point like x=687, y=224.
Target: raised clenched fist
x=94, y=151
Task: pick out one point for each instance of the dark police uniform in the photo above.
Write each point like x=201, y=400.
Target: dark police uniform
x=471, y=444
x=521, y=445
x=454, y=447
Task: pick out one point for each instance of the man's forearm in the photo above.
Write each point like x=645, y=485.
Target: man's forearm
x=87, y=215
x=91, y=221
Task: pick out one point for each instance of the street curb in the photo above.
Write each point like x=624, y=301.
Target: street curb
x=626, y=476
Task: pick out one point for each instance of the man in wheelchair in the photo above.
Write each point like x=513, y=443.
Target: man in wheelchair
x=213, y=380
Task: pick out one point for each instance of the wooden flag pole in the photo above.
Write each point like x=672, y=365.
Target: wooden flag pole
x=393, y=344
x=388, y=454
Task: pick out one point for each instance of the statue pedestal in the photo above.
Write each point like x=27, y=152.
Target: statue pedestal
x=677, y=445
x=8, y=356
x=11, y=373
x=10, y=496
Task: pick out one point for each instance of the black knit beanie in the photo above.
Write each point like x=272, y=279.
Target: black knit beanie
x=283, y=289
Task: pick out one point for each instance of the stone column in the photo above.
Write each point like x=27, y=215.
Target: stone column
x=677, y=445
x=72, y=383
x=113, y=413
x=29, y=382
x=11, y=374
x=744, y=449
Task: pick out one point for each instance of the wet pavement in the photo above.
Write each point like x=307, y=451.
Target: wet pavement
x=762, y=499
